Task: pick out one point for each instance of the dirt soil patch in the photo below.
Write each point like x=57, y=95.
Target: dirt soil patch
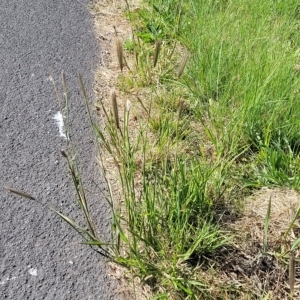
x=111, y=24
x=260, y=270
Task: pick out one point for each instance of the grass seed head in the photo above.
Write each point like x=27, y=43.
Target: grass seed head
x=20, y=193
x=119, y=49
x=180, y=108
x=64, y=84
x=182, y=64
x=128, y=105
x=114, y=104
x=292, y=272
x=156, y=52
x=63, y=153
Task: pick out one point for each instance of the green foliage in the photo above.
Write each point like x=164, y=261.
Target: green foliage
x=242, y=83
x=242, y=59
x=275, y=167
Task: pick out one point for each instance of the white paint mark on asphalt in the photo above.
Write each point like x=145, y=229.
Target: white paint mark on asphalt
x=71, y=262
x=58, y=117
x=32, y=271
x=8, y=279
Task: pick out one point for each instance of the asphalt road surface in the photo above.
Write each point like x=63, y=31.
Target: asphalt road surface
x=40, y=256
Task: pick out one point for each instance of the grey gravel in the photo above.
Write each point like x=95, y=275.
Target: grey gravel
x=40, y=255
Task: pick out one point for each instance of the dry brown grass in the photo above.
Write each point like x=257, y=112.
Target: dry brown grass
x=248, y=262
x=283, y=208
x=111, y=28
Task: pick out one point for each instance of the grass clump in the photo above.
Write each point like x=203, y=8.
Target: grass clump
x=166, y=223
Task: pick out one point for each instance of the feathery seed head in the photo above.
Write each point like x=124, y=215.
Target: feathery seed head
x=157, y=50
x=113, y=99
x=182, y=64
x=119, y=49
